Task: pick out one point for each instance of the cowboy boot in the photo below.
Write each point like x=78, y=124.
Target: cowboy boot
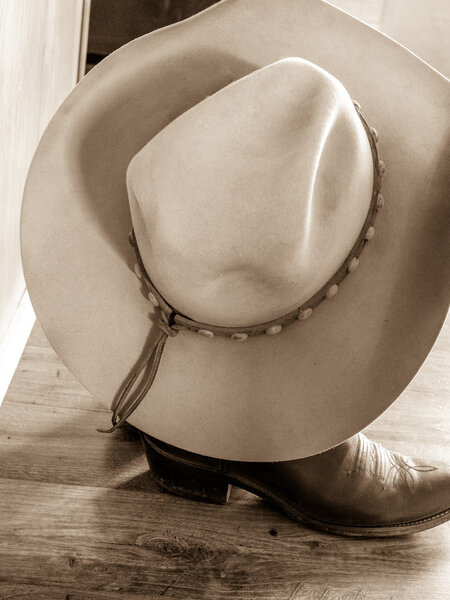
x=357, y=488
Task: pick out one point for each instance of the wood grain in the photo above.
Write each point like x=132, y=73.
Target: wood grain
x=116, y=541
x=82, y=519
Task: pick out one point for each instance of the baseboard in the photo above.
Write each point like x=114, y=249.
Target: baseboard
x=14, y=341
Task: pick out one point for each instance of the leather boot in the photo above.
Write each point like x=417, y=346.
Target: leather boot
x=357, y=488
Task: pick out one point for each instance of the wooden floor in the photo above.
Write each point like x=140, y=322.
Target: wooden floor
x=81, y=518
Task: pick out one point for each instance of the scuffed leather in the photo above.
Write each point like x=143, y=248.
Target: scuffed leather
x=358, y=483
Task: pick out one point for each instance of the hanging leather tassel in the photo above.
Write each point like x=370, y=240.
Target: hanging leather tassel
x=124, y=406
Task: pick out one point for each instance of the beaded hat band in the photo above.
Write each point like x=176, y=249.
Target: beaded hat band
x=170, y=322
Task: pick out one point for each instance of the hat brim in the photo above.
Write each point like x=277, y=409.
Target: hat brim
x=273, y=397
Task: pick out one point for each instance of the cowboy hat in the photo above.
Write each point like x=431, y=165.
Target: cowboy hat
x=319, y=380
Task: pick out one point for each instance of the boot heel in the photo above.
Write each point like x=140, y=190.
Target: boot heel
x=185, y=480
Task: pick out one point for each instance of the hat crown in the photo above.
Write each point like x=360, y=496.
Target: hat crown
x=247, y=204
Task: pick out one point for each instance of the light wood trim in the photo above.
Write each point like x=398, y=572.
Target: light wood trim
x=86, y=10
x=14, y=342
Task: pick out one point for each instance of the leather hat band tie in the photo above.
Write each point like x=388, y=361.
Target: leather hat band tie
x=170, y=322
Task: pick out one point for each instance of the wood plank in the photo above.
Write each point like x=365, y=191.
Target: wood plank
x=48, y=408
x=81, y=518
x=115, y=541
x=63, y=446
x=72, y=451
x=47, y=382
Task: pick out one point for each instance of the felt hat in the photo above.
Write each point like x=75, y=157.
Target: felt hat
x=278, y=309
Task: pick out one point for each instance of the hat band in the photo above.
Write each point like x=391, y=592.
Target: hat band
x=170, y=321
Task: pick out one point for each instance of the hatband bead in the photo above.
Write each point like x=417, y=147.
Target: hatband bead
x=274, y=329
x=153, y=299
x=370, y=233
x=357, y=105
x=206, y=333
x=239, y=337
x=332, y=291
x=374, y=133
x=137, y=271
x=304, y=314
x=353, y=265
x=382, y=167
x=380, y=201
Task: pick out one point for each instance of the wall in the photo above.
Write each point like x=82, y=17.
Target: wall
x=40, y=45
x=422, y=26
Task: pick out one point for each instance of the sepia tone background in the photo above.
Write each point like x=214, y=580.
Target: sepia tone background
x=80, y=518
